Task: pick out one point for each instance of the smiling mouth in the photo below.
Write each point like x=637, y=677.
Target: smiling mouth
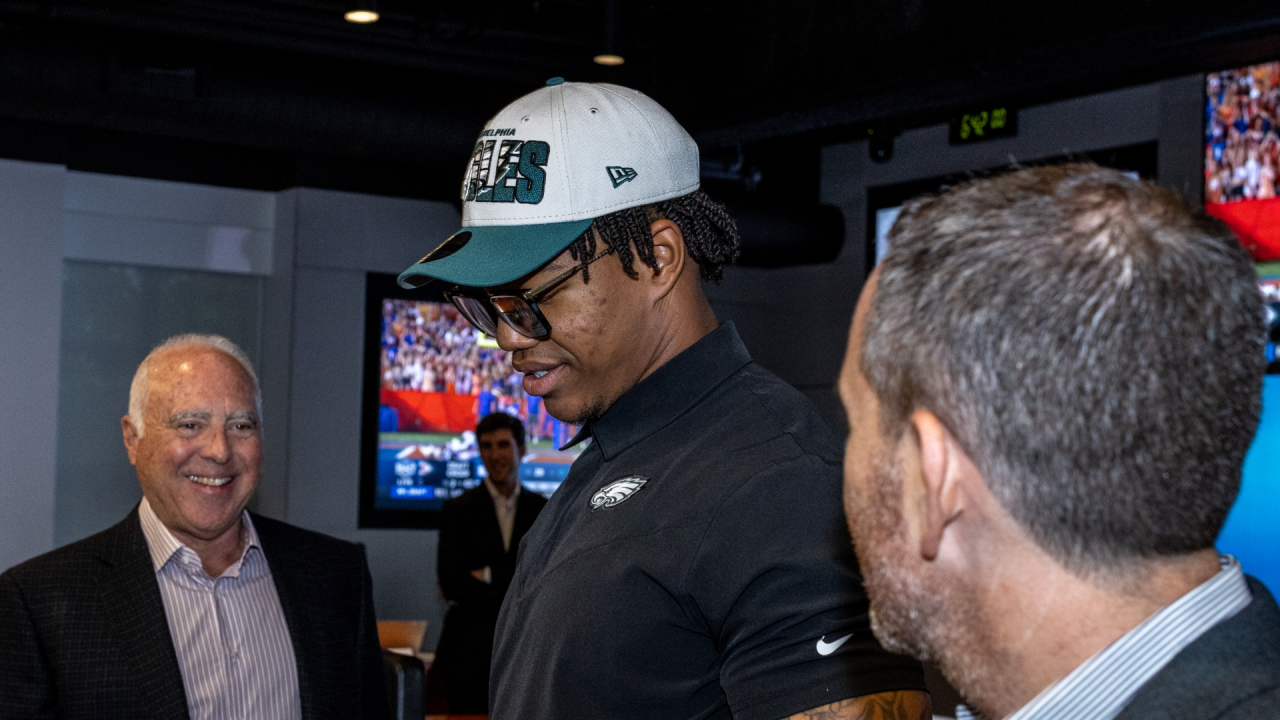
x=210, y=481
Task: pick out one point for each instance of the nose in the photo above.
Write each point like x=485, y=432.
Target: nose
x=510, y=340
x=218, y=448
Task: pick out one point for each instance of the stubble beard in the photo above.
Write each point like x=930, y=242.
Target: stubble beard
x=934, y=622
x=588, y=415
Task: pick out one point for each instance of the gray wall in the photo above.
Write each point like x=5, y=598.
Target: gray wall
x=31, y=296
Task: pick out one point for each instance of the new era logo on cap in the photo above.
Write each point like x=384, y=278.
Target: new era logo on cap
x=620, y=175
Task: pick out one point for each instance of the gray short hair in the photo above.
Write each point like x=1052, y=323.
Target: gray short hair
x=140, y=390
x=1095, y=346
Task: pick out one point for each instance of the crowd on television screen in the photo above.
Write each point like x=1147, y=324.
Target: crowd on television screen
x=430, y=347
x=1242, y=145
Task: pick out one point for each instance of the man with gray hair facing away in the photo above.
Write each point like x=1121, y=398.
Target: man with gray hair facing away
x=192, y=607
x=1052, y=381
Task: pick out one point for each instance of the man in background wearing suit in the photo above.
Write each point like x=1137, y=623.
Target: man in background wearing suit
x=1052, y=381
x=192, y=607
x=480, y=532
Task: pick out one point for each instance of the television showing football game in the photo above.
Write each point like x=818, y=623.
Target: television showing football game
x=429, y=378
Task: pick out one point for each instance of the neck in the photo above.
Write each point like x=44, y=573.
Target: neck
x=688, y=320
x=1042, y=621
x=218, y=554
x=505, y=487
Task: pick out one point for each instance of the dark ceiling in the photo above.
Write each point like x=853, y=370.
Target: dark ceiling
x=289, y=93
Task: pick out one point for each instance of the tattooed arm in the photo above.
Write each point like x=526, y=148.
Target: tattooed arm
x=906, y=705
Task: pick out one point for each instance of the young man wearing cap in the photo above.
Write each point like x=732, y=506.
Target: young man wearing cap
x=694, y=563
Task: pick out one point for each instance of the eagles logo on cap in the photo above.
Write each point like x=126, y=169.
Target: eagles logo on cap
x=546, y=166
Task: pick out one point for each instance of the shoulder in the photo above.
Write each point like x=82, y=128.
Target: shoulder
x=477, y=496
x=125, y=536
x=1231, y=671
x=280, y=540
x=793, y=412
x=753, y=396
x=762, y=431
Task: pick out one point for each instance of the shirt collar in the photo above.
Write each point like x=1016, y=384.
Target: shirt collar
x=1101, y=687
x=498, y=499
x=668, y=392
x=163, y=545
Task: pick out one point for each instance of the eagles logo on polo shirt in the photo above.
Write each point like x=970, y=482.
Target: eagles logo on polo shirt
x=617, y=491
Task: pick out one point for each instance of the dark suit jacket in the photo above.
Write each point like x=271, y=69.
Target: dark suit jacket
x=83, y=632
x=1232, y=671
x=470, y=539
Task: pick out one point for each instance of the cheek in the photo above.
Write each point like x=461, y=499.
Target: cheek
x=249, y=452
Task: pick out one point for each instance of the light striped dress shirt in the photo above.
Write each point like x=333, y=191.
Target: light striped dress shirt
x=1101, y=687
x=505, y=508
x=229, y=632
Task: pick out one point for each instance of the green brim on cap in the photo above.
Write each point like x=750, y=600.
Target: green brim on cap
x=494, y=254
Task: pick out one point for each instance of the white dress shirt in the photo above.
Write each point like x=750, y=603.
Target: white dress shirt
x=506, y=509
x=229, y=632
x=1101, y=687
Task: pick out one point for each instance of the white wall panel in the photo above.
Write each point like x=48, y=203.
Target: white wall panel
x=165, y=200
x=166, y=243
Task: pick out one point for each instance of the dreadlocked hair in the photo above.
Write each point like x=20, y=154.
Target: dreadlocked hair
x=710, y=235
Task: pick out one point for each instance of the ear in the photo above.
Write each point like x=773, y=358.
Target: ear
x=669, y=254
x=940, y=469
x=130, y=438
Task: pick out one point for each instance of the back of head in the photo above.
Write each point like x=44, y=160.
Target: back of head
x=1095, y=347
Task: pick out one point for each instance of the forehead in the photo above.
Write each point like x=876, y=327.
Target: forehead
x=200, y=375
x=496, y=436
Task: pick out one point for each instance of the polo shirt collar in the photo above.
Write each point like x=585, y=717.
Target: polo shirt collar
x=668, y=392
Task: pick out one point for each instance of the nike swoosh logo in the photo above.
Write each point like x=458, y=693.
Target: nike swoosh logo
x=826, y=648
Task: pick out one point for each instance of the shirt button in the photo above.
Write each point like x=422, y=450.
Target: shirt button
x=235, y=654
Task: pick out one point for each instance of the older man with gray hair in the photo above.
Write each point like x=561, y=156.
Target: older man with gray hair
x=1052, y=381
x=192, y=607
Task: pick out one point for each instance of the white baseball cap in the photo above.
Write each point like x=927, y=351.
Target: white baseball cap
x=548, y=164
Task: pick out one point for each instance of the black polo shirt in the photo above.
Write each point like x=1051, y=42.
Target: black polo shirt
x=695, y=563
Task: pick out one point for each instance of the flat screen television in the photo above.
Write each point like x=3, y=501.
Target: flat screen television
x=428, y=379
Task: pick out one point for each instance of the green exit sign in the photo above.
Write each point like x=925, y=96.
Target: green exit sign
x=989, y=124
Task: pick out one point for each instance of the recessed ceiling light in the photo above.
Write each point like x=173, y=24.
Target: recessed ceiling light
x=608, y=59
x=362, y=12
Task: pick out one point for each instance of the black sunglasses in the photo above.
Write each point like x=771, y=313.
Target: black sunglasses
x=519, y=311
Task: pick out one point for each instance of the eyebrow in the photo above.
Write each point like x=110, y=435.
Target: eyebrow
x=199, y=415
